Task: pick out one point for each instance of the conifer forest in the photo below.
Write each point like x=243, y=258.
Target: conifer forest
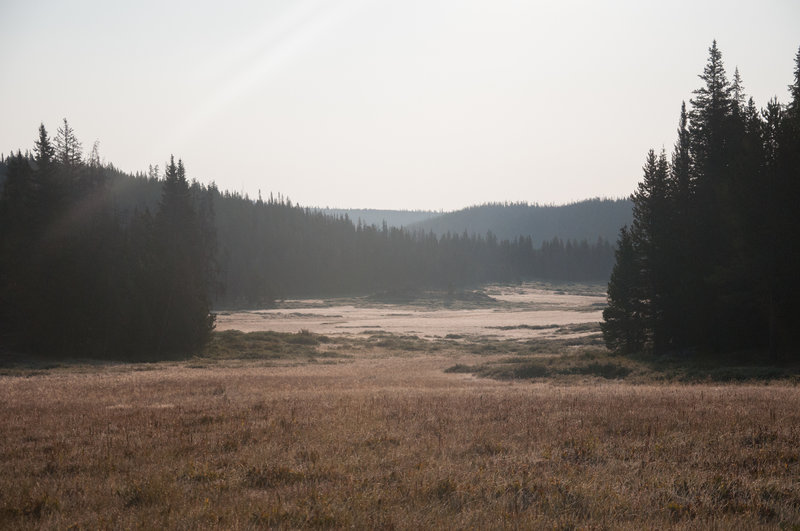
x=102, y=263
x=175, y=354
x=98, y=261
x=710, y=261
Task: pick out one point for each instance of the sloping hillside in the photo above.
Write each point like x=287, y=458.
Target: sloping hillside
x=587, y=219
x=370, y=216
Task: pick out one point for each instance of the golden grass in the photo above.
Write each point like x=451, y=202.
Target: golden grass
x=383, y=440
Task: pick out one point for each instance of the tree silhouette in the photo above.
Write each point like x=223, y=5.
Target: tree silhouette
x=712, y=244
x=183, y=306
x=45, y=152
x=68, y=147
x=624, y=323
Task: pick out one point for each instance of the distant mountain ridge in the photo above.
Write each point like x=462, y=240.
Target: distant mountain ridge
x=589, y=219
x=370, y=216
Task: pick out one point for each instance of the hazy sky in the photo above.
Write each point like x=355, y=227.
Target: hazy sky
x=429, y=104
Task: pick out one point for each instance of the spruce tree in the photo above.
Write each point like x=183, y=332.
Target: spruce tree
x=94, y=156
x=45, y=152
x=710, y=147
x=773, y=228
x=681, y=248
x=68, y=147
x=794, y=90
x=711, y=108
x=624, y=324
x=184, y=319
x=650, y=235
x=682, y=185
x=783, y=146
x=738, y=97
x=717, y=268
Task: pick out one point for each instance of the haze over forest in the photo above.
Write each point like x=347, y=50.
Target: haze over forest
x=347, y=102
x=423, y=104
x=587, y=320
x=589, y=219
x=148, y=244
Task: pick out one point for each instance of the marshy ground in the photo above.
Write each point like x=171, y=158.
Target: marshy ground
x=377, y=428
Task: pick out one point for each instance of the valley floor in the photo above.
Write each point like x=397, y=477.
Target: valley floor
x=390, y=431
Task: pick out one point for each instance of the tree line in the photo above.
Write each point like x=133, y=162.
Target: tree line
x=590, y=218
x=271, y=250
x=97, y=262
x=80, y=277
x=710, y=259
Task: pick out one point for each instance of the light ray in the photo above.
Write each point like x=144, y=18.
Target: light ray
x=264, y=52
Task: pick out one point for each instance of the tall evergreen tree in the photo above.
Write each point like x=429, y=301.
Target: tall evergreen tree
x=94, y=155
x=681, y=248
x=738, y=97
x=651, y=234
x=783, y=166
x=185, y=320
x=710, y=149
x=794, y=88
x=68, y=147
x=624, y=323
x=722, y=277
x=682, y=185
x=771, y=228
x=711, y=108
x=45, y=152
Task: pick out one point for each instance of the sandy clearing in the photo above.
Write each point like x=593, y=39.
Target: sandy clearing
x=524, y=305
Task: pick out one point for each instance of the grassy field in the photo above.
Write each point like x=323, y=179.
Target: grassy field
x=385, y=431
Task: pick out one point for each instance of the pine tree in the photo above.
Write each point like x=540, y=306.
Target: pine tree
x=94, y=156
x=624, y=326
x=717, y=268
x=708, y=138
x=184, y=321
x=710, y=148
x=682, y=185
x=711, y=108
x=681, y=251
x=738, y=97
x=737, y=279
x=794, y=90
x=68, y=147
x=783, y=167
x=770, y=228
x=45, y=152
x=650, y=235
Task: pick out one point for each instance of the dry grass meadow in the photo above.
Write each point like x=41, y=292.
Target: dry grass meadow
x=270, y=430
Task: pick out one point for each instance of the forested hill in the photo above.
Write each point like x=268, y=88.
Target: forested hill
x=588, y=220
x=370, y=216
x=97, y=262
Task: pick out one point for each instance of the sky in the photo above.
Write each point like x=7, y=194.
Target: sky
x=413, y=104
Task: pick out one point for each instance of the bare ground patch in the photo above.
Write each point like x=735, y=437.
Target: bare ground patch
x=517, y=311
